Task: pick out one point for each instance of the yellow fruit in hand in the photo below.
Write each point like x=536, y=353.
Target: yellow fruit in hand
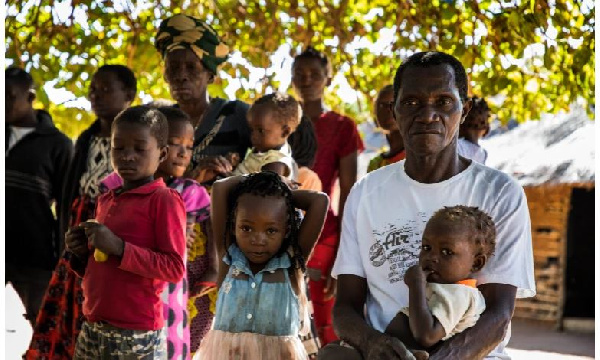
x=100, y=256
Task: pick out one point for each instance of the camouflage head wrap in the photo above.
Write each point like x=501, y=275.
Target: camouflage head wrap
x=185, y=32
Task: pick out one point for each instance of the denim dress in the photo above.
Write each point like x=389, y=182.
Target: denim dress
x=258, y=315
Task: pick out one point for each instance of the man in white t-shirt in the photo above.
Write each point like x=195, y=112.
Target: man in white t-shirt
x=386, y=212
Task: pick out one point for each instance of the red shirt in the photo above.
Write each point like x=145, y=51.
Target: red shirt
x=337, y=137
x=126, y=292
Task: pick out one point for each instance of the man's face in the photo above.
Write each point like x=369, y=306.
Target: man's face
x=428, y=109
x=19, y=102
x=186, y=75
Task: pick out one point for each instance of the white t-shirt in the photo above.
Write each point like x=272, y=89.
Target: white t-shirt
x=384, y=219
x=16, y=134
x=457, y=307
x=471, y=151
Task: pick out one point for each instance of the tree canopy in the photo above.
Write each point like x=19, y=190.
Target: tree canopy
x=533, y=56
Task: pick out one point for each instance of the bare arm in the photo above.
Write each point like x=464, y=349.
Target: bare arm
x=315, y=204
x=479, y=340
x=219, y=210
x=351, y=326
x=348, y=170
x=277, y=167
x=425, y=328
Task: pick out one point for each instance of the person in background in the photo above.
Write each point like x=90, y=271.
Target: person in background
x=475, y=127
x=37, y=157
x=193, y=53
x=112, y=89
x=384, y=118
x=272, y=119
x=337, y=153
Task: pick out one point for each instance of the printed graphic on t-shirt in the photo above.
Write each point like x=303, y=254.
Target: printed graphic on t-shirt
x=398, y=246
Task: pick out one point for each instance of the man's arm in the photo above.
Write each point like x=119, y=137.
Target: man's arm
x=351, y=326
x=479, y=340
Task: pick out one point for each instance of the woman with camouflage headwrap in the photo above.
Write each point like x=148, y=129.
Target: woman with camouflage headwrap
x=193, y=53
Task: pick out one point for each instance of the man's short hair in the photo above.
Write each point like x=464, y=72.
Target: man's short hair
x=433, y=58
x=19, y=76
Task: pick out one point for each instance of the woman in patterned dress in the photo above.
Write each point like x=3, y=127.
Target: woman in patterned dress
x=112, y=89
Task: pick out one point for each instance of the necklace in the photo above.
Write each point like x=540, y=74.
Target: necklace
x=201, y=118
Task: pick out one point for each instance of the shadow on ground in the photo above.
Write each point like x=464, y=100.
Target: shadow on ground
x=528, y=335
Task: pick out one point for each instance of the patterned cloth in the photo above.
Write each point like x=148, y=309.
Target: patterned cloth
x=198, y=311
x=98, y=167
x=106, y=342
x=185, y=32
x=61, y=317
x=380, y=161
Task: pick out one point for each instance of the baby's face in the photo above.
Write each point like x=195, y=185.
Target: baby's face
x=447, y=253
x=267, y=133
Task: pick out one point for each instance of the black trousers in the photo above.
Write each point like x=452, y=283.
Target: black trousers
x=30, y=284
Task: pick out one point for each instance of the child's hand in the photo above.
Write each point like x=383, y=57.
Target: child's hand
x=420, y=354
x=76, y=242
x=386, y=347
x=233, y=158
x=190, y=235
x=103, y=239
x=211, y=167
x=415, y=276
x=330, y=288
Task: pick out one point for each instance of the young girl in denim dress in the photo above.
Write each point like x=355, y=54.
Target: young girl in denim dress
x=261, y=307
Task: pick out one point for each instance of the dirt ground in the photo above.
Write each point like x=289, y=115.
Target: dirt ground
x=530, y=341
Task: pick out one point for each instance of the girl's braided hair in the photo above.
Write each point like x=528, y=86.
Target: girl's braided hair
x=265, y=184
